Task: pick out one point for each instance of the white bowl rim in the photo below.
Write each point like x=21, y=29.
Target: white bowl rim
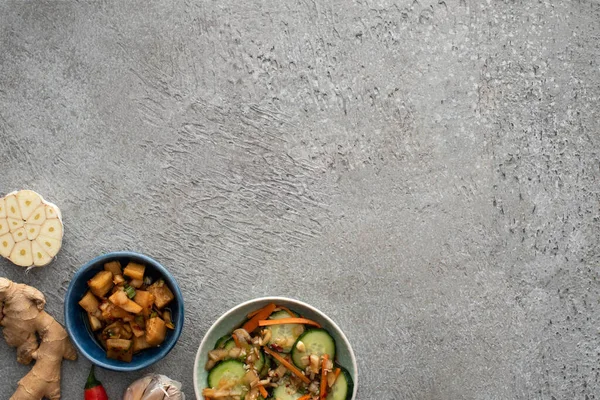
x=275, y=299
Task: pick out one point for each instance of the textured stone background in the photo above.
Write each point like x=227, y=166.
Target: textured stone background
x=426, y=172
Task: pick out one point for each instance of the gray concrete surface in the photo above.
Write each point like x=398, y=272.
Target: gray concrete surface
x=426, y=172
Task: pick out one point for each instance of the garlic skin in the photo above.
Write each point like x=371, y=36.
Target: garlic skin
x=135, y=391
x=154, y=387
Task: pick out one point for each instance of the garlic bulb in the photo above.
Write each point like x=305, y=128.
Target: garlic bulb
x=154, y=387
x=31, y=229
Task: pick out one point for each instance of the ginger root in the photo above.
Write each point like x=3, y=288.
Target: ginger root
x=23, y=317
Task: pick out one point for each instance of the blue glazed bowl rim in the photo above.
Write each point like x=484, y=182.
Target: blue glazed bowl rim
x=70, y=312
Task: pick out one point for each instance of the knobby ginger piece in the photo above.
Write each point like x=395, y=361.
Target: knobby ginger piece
x=37, y=336
x=31, y=229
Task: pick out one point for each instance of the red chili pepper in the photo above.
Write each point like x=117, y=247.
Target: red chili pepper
x=93, y=388
x=276, y=347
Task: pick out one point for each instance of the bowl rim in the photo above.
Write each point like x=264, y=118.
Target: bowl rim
x=275, y=299
x=173, y=285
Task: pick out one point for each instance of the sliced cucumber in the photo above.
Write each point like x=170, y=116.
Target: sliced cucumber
x=260, y=363
x=285, y=391
x=317, y=342
x=284, y=336
x=342, y=388
x=229, y=344
x=231, y=373
x=221, y=342
x=267, y=365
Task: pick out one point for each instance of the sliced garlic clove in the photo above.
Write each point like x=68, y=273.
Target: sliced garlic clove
x=14, y=224
x=21, y=254
x=6, y=245
x=52, y=228
x=51, y=211
x=40, y=257
x=38, y=216
x=32, y=231
x=2, y=208
x=12, y=207
x=19, y=235
x=50, y=245
x=28, y=201
x=4, y=226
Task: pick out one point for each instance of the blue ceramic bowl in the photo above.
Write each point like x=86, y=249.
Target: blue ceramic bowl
x=76, y=318
x=235, y=316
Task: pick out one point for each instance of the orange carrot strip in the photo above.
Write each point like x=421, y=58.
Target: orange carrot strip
x=253, y=313
x=267, y=322
x=336, y=373
x=263, y=391
x=305, y=397
x=264, y=313
x=287, y=364
x=323, y=391
x=236, y=340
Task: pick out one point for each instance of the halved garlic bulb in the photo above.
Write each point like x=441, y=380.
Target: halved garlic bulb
x=31, y=229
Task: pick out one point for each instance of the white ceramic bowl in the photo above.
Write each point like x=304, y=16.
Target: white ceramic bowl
x=237, y=315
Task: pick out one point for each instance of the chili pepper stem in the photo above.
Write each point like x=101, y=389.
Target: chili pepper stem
x=93, y=388
x=91, y=380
